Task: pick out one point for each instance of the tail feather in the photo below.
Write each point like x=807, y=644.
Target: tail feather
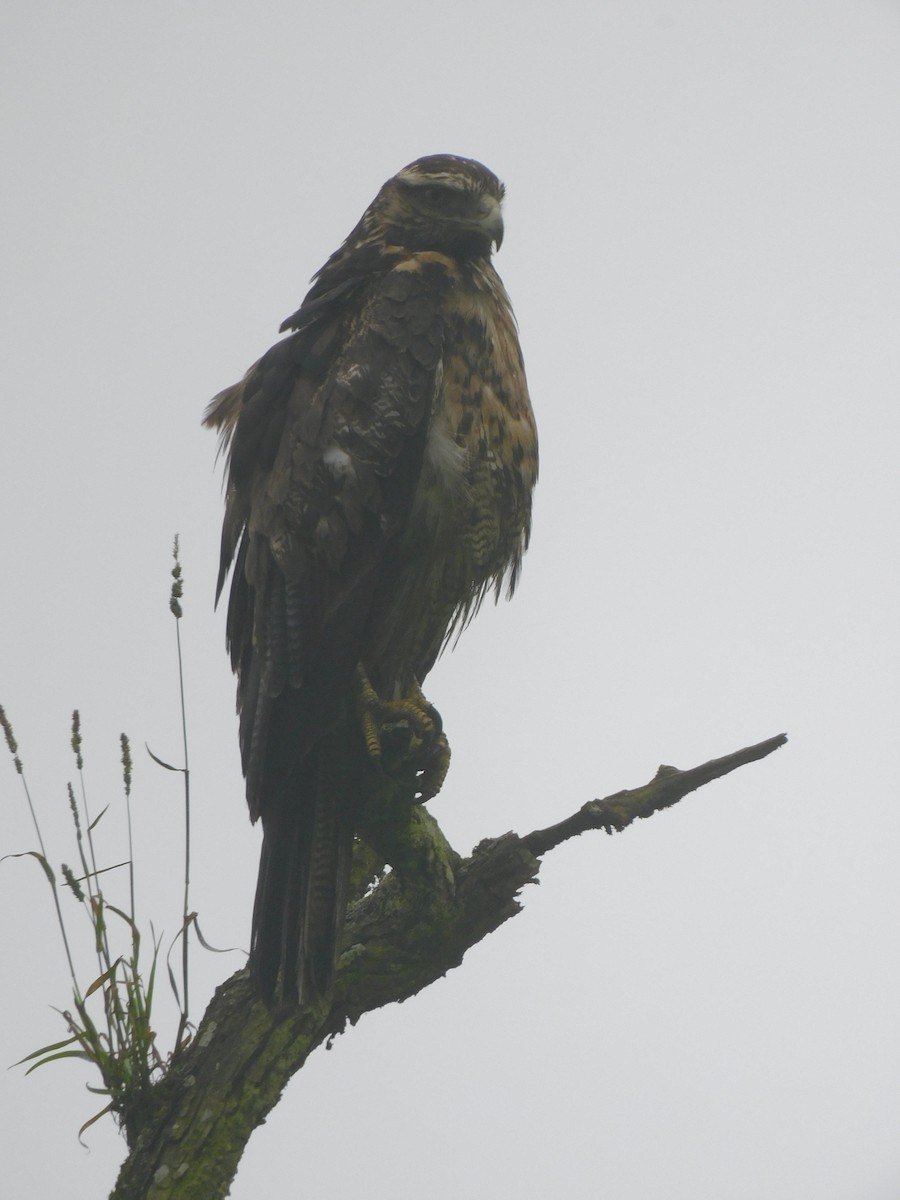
x=304, y=872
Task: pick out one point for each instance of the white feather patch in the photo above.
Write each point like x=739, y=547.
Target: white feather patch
x=337, y=461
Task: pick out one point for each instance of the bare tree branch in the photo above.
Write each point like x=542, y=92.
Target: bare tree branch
x=400, y=936
x=669, y=785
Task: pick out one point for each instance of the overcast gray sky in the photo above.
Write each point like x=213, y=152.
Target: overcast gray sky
x=702, y=250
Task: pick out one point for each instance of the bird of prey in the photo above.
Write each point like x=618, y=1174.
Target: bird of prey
x=381, y=462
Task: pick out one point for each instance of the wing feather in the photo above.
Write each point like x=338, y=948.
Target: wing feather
x=323, y=466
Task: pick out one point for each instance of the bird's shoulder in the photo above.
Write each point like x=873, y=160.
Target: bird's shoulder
x=354, y=321
x=329, y=423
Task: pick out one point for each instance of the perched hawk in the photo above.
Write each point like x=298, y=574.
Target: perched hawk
x=381, y=461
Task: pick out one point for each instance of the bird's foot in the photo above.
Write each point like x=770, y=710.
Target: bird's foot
x=404, y=738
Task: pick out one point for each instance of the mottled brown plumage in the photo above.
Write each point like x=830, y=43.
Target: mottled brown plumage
x=382, y=458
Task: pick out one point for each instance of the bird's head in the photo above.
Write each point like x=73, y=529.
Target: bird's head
x=441, y=202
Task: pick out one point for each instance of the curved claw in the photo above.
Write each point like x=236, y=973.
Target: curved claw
x=405, y=738
x=431, y=778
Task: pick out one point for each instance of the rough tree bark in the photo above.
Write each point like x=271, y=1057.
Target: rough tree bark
x=414, y=925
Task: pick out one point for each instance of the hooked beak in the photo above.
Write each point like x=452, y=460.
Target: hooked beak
x=491, y=219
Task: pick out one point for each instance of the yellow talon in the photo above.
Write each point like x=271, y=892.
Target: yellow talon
x=367, y=703
x=410, y=730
